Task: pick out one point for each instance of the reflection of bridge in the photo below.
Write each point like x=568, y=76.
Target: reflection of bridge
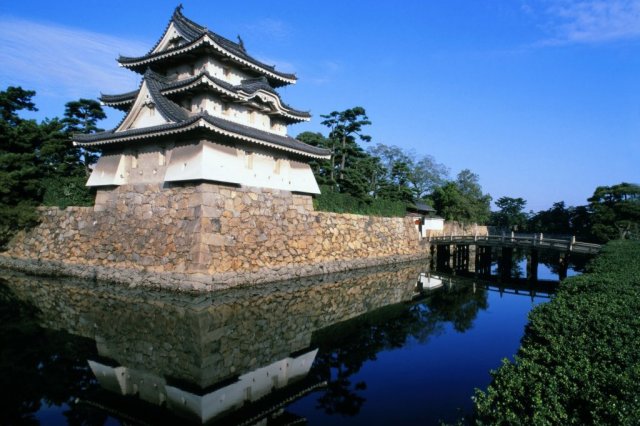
x=521, y=287
x=475, y=253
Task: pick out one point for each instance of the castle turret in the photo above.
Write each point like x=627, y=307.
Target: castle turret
x=205, y=110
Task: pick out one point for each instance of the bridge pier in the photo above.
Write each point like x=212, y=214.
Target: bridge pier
x=505, y=263
x=563, y=266
x=461, y=258
x=532, y=265
x=483, y=261
x=443, y=257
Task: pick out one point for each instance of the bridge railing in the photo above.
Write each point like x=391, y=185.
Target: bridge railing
x=521, y=240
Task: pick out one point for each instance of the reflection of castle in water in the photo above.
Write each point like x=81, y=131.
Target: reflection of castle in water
x=205, y=405
x=203, y=356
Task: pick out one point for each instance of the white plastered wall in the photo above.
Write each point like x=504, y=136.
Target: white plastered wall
x=109, y=170
x=220, y=163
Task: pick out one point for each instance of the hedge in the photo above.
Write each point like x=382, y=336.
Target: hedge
x=331, y=201
x=579, y=360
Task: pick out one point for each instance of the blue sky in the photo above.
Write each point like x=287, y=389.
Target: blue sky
x=540, y=98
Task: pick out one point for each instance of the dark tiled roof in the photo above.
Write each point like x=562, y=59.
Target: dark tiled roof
x=193, y=33
x=424, y=207
x=221, y=126
x=120, y=98
x=248, y=86
x=284, y=141
x=169, y=109
x=252, y=85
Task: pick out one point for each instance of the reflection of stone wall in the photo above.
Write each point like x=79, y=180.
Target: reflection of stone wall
x=205, y=339
x=207, y=236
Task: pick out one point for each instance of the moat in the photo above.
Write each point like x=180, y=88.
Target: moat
x=367, y=347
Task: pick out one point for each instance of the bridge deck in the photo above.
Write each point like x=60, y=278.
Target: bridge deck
x=527, y=241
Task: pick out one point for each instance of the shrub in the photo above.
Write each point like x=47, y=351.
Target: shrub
x=579, y=361
x=67, y=191
x=331, y=201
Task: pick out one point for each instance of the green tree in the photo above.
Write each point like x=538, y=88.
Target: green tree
x=556, y=220
x=462, y=200
x=68, y=166
x=396, y=187
x=426, y=175
x=402, y=173
x=449, y=202
x=321, y=168
x=511, y=215
x=344, y=127
x=478, y=204
x=20, y=141
x=616, y=212
x=82, y=116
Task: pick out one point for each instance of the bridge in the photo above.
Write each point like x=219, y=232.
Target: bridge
x=531, y=241
x=474, y=253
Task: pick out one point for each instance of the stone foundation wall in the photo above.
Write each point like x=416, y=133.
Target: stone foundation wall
x=207, y=236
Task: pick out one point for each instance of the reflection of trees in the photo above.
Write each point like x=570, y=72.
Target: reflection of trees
x=551, y=260
x=39, y=365
x=458, y=305
x=345, y=347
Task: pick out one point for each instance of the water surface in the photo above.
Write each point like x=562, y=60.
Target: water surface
x=357, y=348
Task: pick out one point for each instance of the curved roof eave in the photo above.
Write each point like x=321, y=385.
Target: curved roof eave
x=134, y=62
x=214, y=124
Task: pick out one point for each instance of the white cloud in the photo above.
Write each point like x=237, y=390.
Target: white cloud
x=62, y=61
x=281, y=65
x=271, y=28
x=592, y=21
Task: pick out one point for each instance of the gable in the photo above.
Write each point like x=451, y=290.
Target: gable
x=171, y=39
x=143, y=113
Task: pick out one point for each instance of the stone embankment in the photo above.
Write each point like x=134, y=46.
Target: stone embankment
x=207, y=237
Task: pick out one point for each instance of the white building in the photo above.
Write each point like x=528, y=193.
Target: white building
x=205, y=111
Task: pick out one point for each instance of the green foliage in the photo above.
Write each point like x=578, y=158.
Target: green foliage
x=511, y=215
x=321, y=168
x=82, y=116
x=38, y=162
x=579, y=361
x=67, y=191
x=616, y=212
x=462, y=200
x=404, y=177
x=613, y=213
x=556, y=220
x=332, y=201
x=344, y=127
x=20, y=139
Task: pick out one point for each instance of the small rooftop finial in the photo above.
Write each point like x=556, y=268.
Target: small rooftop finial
x=241, y=43
x=178, y=8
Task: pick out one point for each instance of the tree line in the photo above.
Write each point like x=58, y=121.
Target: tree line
x=612, y=212
x=39, y=165
x=385, y=178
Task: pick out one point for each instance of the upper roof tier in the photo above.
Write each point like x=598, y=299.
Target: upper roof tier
x=183, y=36
x=247, y=91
